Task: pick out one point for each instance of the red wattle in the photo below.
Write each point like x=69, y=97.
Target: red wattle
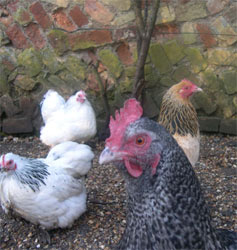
x=133, y=169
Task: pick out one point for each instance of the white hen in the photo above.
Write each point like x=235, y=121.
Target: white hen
x=73, y=121
x=48, y=192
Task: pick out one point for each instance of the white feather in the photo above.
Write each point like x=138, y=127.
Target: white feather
x=57, y=201
x=74, y=122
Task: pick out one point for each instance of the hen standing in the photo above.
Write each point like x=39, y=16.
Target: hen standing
x=71, y=121
x=49, y=192
x=165, y=206
x=179, y=117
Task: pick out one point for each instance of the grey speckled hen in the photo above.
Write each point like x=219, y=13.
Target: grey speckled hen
x=166, y=209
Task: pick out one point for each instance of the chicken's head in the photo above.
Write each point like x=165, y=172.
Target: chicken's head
x=80, y=96
x=133, y=141
x=185, y=89
x=7, y=163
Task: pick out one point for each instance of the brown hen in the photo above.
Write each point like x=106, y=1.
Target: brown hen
x=179, y=117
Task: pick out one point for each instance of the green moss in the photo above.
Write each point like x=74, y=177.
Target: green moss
x=230, y=81
x=195, y=57
x=80, y=44
x=130, y=71
x=204, y=102
x=111, y=61
x=50, y=60
x=174, y=51
x=167, y=81
x=126, y=85
x=180, y=73
x=159, y=58
x=31, y=62
x=22, y=16
x=76, y=67
x=59, y=41
x=4, y=87
x=25, y=82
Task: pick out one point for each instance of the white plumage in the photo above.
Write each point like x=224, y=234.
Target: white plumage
x=49, y=192
x=74, y=120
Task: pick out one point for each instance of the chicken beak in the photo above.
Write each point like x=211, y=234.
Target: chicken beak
x=108, y=156
x=198, y=90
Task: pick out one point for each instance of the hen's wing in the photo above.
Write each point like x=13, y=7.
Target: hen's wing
x=74, y=157
x=51, y=102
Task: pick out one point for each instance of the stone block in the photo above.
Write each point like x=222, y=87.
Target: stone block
x=124, y=54
x=118, y=4
x=222, y=27
x=174, y=51
x=204, y=102
x=76, y=67
x=4, y=86
x=166, y=14
x=159, y=58
x=215, y=6
x=59, y=41
x=219, y=56
x=180, y=73
x=40, y=15
x=98, y=12
x=8, y=106
x=149, y=105
x=22, y=16
x=17, y=125
x=188, y=33
x=51, y=61
x=31, y=61
x=33, y=32
x=206, y=35
x=197, y=60
x=209, y=124
x=25, y=82
x=17, y=37
x=190, y=11
x=60, y=3
x=123, y=19
x=111, y=61
x=230, y=81
x=62, y=21
x=79, y=18
x=228, y=126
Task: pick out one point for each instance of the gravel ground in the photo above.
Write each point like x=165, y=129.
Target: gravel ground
x=103, y=223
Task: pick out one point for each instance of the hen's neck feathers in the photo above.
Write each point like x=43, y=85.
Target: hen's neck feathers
x=178, y=115
x=30, y=172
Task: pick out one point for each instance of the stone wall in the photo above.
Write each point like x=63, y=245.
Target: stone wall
x=52, y=44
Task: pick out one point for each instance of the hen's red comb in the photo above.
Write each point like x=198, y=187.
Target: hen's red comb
x=131, y=112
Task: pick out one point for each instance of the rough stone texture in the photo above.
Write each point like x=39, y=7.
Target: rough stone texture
x=62, y=20
x=30, y=60
x=8, y=106
x=98, y=12
x=118, y=4
x=17, y=125
x=159, y=58
x=189, y=36
x=191, y=11
x=24, y=82
x=209, y=124
x=17, y=37
x=59, y=41
x=180, y=73
x=174, y=51
x=124, y=19
x=206, y=35
x=228, y=126
x=166, y=14
x=76, y=67
x=111, y=61
x=218, y=56
x=215, y=6
x=40, y=15
x=124, y=54
x=205, y=103
x=33, y=32
x=22, y=16
x=59, y=3
x=230, y=82
x=50, y=60
x=78, y=16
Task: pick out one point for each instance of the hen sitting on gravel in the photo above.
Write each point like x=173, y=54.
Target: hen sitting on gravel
x=49, y=192
x=179, y=117
x=73, y=120
x=165, y=206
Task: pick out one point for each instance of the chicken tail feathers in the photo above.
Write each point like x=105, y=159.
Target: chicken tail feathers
x=228, y=238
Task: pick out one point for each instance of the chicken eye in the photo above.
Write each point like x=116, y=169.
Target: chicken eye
x=140, y=141
x=10, y=162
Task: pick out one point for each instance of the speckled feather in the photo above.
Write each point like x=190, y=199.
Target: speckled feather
x=166, y=210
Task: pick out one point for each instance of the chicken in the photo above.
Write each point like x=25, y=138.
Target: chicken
x=51, y=102
x=73, y=120
x=179, y=117
x=165, y=206
x=49, y=191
